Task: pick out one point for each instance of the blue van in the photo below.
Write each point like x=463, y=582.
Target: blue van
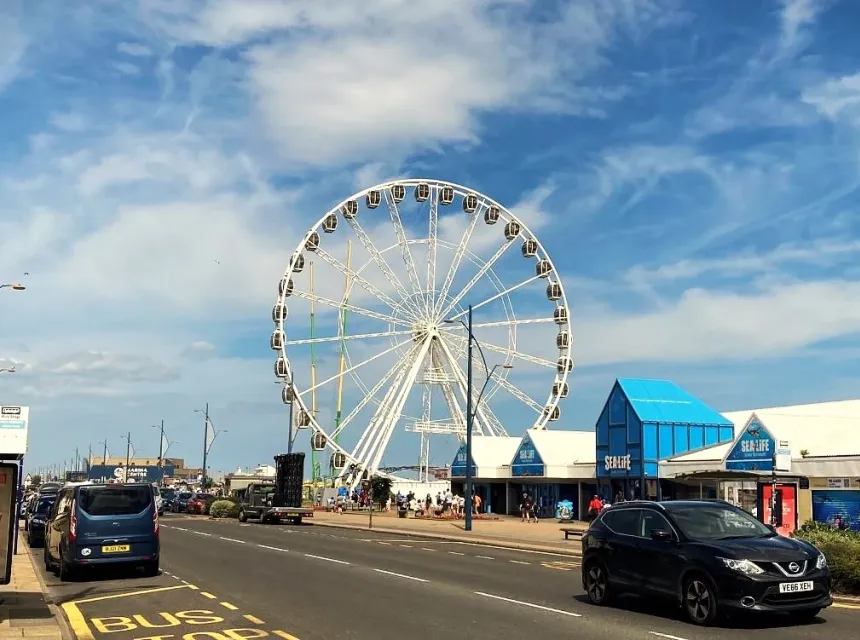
x=99, y=524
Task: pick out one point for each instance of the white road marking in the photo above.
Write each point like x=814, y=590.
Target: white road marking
x=201, y=533
x=456, y=553
x=426, y=549
x=310, y=555
x=400, y=575
x=265, y=546
x=486, y=557
x=406, y=546
x=388, y=544
x=530, y=604
x=179, y=528
x=518, y=562
x=232, y=540
x=665, y=635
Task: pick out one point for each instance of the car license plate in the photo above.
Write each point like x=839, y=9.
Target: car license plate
x=115, y=548
x=796, y=587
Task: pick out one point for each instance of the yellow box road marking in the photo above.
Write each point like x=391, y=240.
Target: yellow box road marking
x=253, y=619
x=78, y=622
x=231, y=607
x=846, y=606
x=208, y=595
x=284, y=635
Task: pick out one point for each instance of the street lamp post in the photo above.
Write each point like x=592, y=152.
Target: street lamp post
x=15, y=286
x=206, y=444
x=127, y=455
x=160, y=453
x=104, y=452
x=470, y=417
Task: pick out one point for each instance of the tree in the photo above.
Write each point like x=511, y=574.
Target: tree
x=36, y=480
x=380, y=489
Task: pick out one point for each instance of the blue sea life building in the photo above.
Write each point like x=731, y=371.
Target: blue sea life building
x=643, y=423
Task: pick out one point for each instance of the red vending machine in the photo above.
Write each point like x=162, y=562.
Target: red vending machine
x=785, y=509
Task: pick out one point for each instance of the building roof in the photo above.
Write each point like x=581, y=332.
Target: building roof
x=563, y=448
x=663, y=401
x=493, y=451
x=821, y=429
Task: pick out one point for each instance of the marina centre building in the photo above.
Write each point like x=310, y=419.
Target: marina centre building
x=655, y=440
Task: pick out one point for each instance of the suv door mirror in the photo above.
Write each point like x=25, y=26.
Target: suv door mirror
x=662, y=535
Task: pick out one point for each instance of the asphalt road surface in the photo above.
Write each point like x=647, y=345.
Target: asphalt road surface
x=226, y=581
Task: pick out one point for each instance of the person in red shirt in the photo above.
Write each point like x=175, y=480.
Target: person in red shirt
x=594, y=508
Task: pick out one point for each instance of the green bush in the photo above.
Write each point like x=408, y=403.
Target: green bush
x=842, y=550
x=224, y=509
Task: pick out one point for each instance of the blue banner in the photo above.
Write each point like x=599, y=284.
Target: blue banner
x=148, y=473
x=527, y=461
x=754, y=450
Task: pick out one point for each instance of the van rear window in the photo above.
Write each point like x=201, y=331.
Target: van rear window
x=112, y=500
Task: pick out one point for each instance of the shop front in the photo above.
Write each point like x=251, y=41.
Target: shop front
x=490, y=471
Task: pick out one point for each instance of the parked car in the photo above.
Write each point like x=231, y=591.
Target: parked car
x=36, y=516
x=180, y=505
x=102, y=524
x=708, y=556
x=168, y=496
x=159, y=503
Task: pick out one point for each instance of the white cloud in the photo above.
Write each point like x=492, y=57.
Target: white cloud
x=199, y=350
x=126, y=68
x=69, y=121
x=708, y=325
x=134, y=49
x=13, y=41
x=837, y=98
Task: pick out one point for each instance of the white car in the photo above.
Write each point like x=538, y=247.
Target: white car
x=159, y=501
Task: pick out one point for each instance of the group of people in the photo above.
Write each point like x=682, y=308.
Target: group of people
x=442, y=504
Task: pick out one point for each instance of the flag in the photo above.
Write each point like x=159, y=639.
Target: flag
x=210, y=435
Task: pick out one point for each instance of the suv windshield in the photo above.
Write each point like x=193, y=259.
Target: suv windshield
x=185, y=495
x=114, y=500
x=168, y=494
x=717, y=522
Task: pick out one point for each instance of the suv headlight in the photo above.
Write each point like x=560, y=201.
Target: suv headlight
x=820, y=561
x=742, y=566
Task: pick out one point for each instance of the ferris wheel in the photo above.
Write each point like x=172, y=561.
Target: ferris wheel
x=380, y=300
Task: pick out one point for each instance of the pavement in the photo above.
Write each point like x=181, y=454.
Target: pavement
x=505, y=532
x=24, y=609
x=222, y=580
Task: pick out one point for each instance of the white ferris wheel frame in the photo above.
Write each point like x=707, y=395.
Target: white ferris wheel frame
x=367, y=454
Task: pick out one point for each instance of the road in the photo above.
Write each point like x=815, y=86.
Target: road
x=226, y=581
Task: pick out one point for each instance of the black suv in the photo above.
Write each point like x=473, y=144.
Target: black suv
x=707, y=555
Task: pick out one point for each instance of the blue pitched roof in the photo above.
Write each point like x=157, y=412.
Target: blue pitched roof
x=664, y=401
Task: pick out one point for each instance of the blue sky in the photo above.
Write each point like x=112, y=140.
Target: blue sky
x=692, y=168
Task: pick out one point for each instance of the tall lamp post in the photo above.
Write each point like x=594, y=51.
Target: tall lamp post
x=470, y=417
x=160, y=452
x=207, y=423
x=15, y=286
x=127, y=439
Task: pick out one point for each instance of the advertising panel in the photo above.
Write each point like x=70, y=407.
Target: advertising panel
x=148, y=473
x=458, y=467
x=838, y=508
x=8, y=499
x=13, y=429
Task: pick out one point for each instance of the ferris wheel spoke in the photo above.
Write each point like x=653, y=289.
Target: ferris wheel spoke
x=351, y=308
x=370, y=394
x=388, y=413
x=380, y=261
x=353, y=368
x=356, y=278
x=496, y=297
x=519, y=394
x=355, y=336
x=482, y=411
x=458, y=256
x=481, y=273
x=432, y=232
x=507, y=352
x=405, y=252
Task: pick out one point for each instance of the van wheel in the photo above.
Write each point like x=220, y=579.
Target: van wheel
x=64, y=572
x=150, y=569
x=242, y=516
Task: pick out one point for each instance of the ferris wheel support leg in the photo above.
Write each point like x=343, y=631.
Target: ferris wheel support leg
x=397, y=409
